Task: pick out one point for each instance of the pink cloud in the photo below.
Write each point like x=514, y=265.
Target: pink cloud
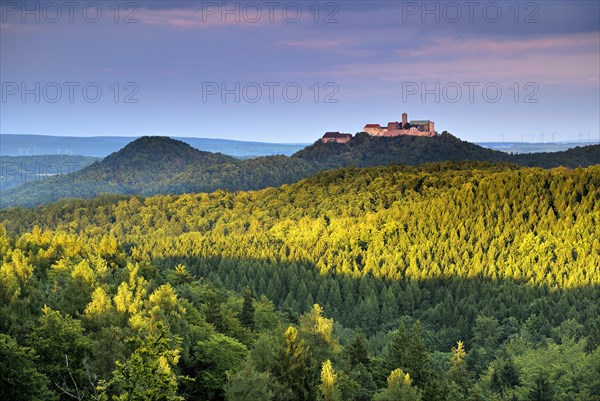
x=548, y=69
x=569, y=59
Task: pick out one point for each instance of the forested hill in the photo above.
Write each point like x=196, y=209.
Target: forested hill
x=477, y=196
x=160, y=165
x=574, y=157
x=365, y=150
x=152, y=159
x=443, y=282
x=141, y=167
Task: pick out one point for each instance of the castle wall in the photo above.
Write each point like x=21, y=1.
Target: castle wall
x=375, y=131
x=396, y=129
x=401, y=132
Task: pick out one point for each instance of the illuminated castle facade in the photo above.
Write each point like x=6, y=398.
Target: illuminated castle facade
x=394, y=128
x=414, y=128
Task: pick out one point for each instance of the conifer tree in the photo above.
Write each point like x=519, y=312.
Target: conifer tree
x=408, y=352
x=247, y=314
x=295, y=369
x=356, y=352
x=509, y=375
x=542, y=389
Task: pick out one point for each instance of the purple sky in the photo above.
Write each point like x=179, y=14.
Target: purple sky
x=234, y=70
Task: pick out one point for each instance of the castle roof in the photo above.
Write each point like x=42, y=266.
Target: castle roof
x=372, y=126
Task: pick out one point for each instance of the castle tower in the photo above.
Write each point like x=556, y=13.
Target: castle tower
x=404, y=119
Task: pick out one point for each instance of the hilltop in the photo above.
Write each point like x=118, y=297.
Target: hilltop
x=366, y=150
x=139, y=168
x=161, y=165
x=152, y=159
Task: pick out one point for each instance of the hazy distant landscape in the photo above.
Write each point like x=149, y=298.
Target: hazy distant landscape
x=102, y=146
x=30, y=145
x=533, y=147
x=18, y=170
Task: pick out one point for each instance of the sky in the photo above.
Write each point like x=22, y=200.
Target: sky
x=288, y=71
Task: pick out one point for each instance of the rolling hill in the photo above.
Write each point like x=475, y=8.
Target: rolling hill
x=141, y=167
x=151, y=159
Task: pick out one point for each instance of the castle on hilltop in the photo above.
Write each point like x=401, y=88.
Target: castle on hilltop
x=394, y=128
x=414, y=128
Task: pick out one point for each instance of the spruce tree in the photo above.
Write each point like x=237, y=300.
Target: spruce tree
x=247, y=314
x=356, y=352
x=295, y=369
x=542, y=389
x=407, y=351
x=509, y=375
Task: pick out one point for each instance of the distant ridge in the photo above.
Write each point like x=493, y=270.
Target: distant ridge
x=18, y=170
x=161, y=165
x=102, y=146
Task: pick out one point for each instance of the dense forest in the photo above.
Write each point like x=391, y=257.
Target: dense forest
x=441, y=282
x=160, y=165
